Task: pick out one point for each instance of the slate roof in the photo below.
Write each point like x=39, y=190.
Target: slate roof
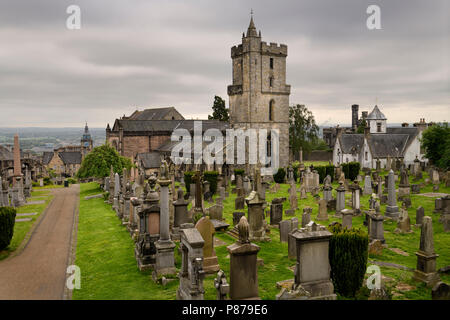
x=47, y=157
x=351, y=143
x=149, y=160
x=70, y=157
x=383, y=145
x=151, y=114
x=376, y=114
x=165, y=125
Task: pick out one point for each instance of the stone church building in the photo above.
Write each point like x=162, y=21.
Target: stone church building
x=258, y=98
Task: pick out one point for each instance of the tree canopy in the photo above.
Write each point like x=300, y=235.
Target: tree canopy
x=436, y=142
x=219, y=111
x=303, y=131
x=97, y=164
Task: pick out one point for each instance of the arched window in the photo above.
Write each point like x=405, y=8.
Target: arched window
x=271, y=110
x=269, y=145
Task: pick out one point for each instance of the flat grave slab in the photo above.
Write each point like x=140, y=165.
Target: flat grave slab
x=23, y=220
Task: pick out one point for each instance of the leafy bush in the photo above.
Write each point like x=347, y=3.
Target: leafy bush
x=106, y=196
x=329, y=171
x=71, y=180
x=188, y=179
x=351, y=170
x=238, y=172
x=97, y=164
x=211, y=176
x=348, y=255
x=47, y=181
x=7, y=221
x=279, y=176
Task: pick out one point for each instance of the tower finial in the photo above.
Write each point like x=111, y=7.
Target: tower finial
x=251, y=31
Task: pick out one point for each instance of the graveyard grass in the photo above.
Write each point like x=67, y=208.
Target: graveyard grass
x=105, y=251
x=23, y=230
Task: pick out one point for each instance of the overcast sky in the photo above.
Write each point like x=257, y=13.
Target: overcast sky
x=140, y=53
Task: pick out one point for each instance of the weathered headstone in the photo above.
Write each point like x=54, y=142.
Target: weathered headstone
x=191, y=274
x=367, y=185
x=243, y=265
x=340, y=199
x=404, y=222
x=347, y=216
x=426, y=257
x=276, y=211
x=285, y=228
x=306, y=216
x=255, y=217
x=323, y=212
x=207, y=230
x=391, y=208
x=237, y=217
x=420, y=213
x=375, y=227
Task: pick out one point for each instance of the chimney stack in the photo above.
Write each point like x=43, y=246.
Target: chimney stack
x=355, y=109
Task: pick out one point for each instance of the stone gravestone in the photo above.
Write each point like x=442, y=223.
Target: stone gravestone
x=391, y=208
x=221, y=285
x=441, y=291
x=306, y=216
x=243, y=265
x=435, y=177
x=426, y=257
x=375, y=227
x=207, y=230
x=285, y=228
x=247, y=186
x=207, y=195
x=255, y=217
x=239, y=202
x=180, y=214
x=420, y=213
x=403, y=187
x=293, y=197
x=276, y=211
x=445, y=213
x=404, y=222
x=303, y=194
x=312, y=269
x=340, y=199
x=347, y=216
x=355, y=189
x=415, y=188
x=367, y=185
x=191, y=274
x=165, y=260
x=327, y=188
x=323, y=212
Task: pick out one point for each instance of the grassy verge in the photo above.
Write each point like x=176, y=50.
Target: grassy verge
x=22, y=230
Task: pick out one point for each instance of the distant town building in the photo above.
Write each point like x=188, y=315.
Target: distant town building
x=65, y=161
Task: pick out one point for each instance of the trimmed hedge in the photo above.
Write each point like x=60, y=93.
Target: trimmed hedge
x=351, y=170
x=279, y=176
x=7, y=221
x=211, y=176
x=348, y=255
x=296, y=166
x=323, y=171
x=188, y=179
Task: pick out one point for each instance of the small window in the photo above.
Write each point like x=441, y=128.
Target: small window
x=271, y=105
x=378, y=126
x=269, y=145
x=271, y=82
x=271, y=63
x=366, y=155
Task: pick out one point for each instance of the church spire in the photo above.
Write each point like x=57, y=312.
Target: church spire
x=251, y=31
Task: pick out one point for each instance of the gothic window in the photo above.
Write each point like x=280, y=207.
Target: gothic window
x=269, y=145
x=271, y=110
x=366, y=155
x=271, y=63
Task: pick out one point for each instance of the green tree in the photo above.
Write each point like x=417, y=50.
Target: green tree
x=97, y=164
x=436, y=142
x=219, y=111
x=361, y=125
x=303, y=131
x=320, y=144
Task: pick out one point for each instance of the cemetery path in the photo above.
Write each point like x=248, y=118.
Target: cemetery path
x=39, y=271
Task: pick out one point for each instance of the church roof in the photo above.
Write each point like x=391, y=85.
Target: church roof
x=150, y=160
x=351, y=143
x=69, y=157
x=376, y=114
x=151, y=114
x=47, y=157
x=165, y=125
x=383, y=145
